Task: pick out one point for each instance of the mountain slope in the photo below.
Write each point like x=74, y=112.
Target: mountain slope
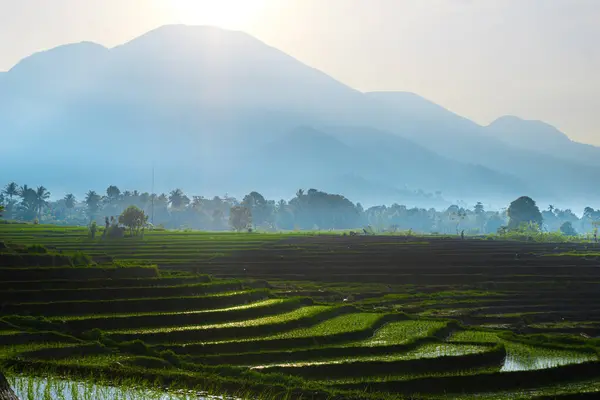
x=548, y=175
x=543, y=138
x=216, y=110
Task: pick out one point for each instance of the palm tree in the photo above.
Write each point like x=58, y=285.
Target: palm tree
x=11, y=190
x=145, y=199
x=28, y=202
x=112, y=193
x=24, y=191
x=92, y=200
x=41, y=200
x=70, y=202
x=197, y=202
x=176, y=198
x=281, y=204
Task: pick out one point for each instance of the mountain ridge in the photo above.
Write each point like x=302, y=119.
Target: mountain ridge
x=200, y=96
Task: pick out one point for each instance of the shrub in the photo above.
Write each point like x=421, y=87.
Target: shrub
x=567, y=229
x=136, y=347
x=93, y=229
x=37, y=248
x=81, y=259
x=115, y=232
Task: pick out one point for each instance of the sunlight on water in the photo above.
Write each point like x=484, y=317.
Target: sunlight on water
x=30, y=388
x=522, y=358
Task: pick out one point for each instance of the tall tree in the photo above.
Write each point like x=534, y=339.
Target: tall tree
x=240, y=218
x=523, y=211
x=178, y=199
x=28, y=203
x=41, y=200
x=113, y=193
x=134, y=219
x=11, y=190
x=92, y=200
x=259, y=208
x=479, y=216
x=70, y=202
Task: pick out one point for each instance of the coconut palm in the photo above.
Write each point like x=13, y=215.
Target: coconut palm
x=176, y=198
x=11, y=190
x=92, y=200
x=24, y=191
x=70, y=202
x=41, y=200
x=112, y=193
x=28, y=203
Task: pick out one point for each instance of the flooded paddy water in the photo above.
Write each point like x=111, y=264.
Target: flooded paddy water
x=34, y=388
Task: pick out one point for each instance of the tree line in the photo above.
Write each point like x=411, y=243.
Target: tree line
x=307, y=210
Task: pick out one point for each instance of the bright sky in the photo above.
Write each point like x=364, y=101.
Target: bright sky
x=538, y=59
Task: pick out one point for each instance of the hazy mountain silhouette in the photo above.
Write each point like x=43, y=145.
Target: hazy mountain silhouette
x=543, y=138
x=218, y=110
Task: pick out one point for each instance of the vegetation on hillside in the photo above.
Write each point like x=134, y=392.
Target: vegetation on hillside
x=307, y=210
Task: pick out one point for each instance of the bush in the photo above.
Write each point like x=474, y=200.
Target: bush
x=81, y=259
x=567, y=229
x=37, y=248
x=136, y=347
x=115, y=232
x=93, y=229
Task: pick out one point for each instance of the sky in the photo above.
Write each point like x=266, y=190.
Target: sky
x=537, y=59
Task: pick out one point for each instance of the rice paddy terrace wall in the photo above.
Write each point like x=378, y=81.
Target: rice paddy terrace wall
x=6, y=392
x=313, y=317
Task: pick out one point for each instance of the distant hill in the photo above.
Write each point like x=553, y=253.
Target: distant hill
x=216, y=110
x=544, y=138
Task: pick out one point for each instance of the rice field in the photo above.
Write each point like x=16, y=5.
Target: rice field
x=402, y=332
x=185, y=314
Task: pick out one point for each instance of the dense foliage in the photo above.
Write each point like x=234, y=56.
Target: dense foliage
x=307, y=210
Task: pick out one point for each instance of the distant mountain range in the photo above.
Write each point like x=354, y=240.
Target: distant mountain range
x=219, y=111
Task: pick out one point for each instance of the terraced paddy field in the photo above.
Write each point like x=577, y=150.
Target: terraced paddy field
x=188, y=314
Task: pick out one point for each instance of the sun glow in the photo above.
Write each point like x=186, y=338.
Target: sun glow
x=223, y=13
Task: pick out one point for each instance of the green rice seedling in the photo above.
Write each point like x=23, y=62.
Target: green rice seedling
x=365, y=380
x=338, y=325
x=474, y=336
x=522, y=357
x=401, y=332
x=257, y=304
x=428, y=350
x=302, y=312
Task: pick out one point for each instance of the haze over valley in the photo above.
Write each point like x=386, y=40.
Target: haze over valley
x=219, y=111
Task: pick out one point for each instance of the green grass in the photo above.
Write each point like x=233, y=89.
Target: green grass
x=258, y=304
x=428, y=350
x=475, y=336
x=302, y=312
x=218, y=354
x=335, y=326
x=366, y=380
x=402, y=332
x=523, y=357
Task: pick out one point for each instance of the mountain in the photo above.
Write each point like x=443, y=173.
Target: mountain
x=216, y=110
x=549, y=175
x=544, y=138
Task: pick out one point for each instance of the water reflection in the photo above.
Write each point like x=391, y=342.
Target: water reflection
x=31, y=388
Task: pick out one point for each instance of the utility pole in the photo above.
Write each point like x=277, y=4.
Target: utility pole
x=153, y=194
